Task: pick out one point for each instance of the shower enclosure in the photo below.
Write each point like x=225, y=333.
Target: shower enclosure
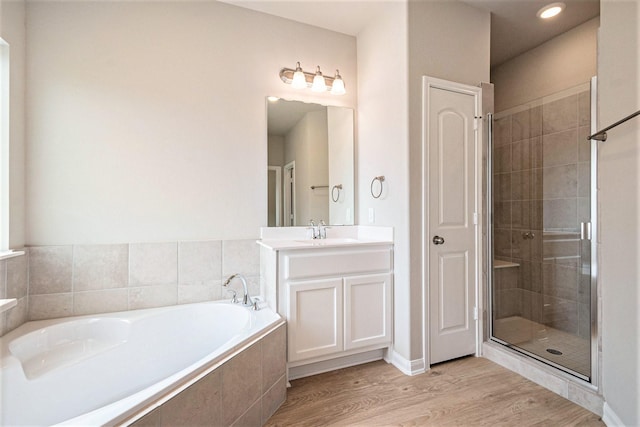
x=542, y=288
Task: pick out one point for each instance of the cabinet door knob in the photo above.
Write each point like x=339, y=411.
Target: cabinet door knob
x=437, y=240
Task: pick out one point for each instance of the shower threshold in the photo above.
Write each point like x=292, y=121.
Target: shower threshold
x=557, y=348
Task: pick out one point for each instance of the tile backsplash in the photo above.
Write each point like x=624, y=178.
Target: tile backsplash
x=60, y=281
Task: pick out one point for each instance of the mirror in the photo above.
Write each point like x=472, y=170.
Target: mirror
x=310, y=163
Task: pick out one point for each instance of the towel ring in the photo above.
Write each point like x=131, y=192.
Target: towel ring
x=336, y=187
x=377, y=178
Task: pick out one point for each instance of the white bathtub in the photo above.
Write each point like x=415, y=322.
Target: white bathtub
x=103, y=370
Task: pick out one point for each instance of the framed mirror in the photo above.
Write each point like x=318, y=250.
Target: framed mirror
x=310, y=163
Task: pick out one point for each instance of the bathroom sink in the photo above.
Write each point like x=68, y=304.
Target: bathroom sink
x=329, y=241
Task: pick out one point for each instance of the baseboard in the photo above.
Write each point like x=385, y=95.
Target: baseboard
x=322, y=366
x=610, y=418
x=406, y=366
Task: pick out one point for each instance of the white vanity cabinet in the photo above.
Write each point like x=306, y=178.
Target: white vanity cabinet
x=336, y=299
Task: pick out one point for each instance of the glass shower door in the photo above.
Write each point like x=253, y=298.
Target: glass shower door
x=541, y=209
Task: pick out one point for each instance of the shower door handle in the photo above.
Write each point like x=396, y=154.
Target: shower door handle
x=437, y=240
x=585, y=231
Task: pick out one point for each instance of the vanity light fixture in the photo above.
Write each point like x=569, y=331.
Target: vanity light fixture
x=551, y=10
x=317, y=82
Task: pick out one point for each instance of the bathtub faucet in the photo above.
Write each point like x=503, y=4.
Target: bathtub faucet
x=246, y=299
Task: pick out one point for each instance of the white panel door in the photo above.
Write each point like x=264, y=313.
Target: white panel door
x=451, y=197
x=315, y=325
x=367, y=310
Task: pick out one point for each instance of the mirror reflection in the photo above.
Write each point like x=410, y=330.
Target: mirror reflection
x=310, y=163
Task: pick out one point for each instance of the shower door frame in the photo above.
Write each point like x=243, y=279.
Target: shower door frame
x=593, y=380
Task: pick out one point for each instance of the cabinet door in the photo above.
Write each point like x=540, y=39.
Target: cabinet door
x=314, y=318
x=367, y=310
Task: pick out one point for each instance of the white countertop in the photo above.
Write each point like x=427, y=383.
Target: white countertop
x=282, y=238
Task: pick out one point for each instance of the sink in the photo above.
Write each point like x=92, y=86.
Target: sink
x=329, y=241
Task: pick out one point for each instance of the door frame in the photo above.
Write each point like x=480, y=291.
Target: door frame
x=278, y=173
x=289, y=194
x=476, y=92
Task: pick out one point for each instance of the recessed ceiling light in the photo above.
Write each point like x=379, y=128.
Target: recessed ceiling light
x=550, y=10
x=273, y=98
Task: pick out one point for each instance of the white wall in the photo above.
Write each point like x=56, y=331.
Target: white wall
x=382, y=146
x=12, y=30
x=619, y=208
x=147, y=121
x=340, y=129
x=442, y=39
x=563, y=62
x=447, y=40
x=306, y=144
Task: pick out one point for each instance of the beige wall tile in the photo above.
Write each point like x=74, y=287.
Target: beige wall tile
x=50, y=269
x=199, y=263
x=502, y=131
x=17, y=277
x=584, y=145
x=50, y=306
x=273, y=399
x=199, y=293
x=153, y=296
x=241, y=383
x=198, y=405
x=240, y=256
x=153, y=264
x=584, y=108
x=16, y=316
x=252, y=417
x=560, y=148
x=274, y=358
x=100, y=267
x=560, y=115
x=560, y=214
x=502, y=159
x=560, y=281
x=3, y=279
x=103, y=301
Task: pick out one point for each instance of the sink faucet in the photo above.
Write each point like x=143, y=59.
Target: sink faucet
x=246, y=299
x=322, y=230
x=315, y=231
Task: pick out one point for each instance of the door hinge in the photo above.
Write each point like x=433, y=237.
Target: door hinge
x=475, y=313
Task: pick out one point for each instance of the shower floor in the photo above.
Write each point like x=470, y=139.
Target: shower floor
x=537, y=339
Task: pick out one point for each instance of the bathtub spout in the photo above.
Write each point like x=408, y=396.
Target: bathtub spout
x=246, y=299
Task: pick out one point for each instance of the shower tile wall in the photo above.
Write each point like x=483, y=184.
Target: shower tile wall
x=60, y=281
x=541, y=195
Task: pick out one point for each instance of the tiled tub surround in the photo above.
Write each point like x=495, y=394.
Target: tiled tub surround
x=541, y=195
x=62, y=281
x=234, y=375
x=14, y=283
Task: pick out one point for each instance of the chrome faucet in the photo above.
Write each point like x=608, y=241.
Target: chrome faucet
x=322, y=230
x=315, y=231
x=246, y=299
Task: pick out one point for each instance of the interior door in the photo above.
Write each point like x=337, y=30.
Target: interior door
x=451, y=149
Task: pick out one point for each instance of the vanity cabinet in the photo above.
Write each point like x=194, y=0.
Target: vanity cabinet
x=337, y=300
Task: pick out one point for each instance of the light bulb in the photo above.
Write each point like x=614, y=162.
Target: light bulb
x=550, y=10
x=318, y=82
x=338, y=85
x=299, y=81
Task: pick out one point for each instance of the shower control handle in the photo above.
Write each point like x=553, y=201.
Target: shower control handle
x=437, y=240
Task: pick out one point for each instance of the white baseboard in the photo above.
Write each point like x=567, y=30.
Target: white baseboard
x=319, y=367
x=406, y=366
x=610, y=418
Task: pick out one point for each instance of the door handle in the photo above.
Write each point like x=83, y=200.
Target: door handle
x=437, y=240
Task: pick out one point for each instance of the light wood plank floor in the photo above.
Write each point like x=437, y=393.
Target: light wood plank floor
x=465, y=392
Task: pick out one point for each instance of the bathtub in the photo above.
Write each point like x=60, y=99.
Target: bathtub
x=119, y=367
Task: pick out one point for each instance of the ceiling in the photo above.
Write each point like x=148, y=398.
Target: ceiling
x=514, y=26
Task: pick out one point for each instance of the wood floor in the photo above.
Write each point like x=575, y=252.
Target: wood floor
x=465, y=392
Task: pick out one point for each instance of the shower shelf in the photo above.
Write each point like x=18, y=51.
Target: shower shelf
x=498, y=263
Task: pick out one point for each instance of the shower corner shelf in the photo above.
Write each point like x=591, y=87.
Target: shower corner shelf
x=498, y=263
